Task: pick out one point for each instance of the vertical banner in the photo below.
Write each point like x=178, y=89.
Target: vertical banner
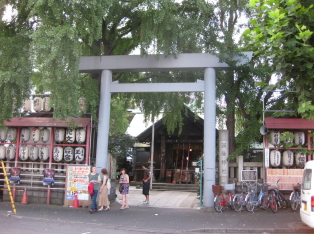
x=266, y=157
x=223, y=157
x=77, y=183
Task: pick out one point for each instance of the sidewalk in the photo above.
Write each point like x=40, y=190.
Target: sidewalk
x=162, y=199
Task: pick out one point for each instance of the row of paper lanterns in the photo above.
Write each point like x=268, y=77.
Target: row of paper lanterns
x=42, y=104
x=70, y=135
x=287, y=158
x=33, y=153
x=299, y=138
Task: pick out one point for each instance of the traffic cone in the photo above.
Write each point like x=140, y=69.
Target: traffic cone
x=24, y=199
x=75, y=202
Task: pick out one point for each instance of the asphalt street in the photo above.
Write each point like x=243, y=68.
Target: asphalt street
x=40, y=218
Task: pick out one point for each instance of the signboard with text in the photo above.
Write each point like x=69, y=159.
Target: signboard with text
x=77, y=183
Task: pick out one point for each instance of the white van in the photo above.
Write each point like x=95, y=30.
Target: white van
x=307, y=194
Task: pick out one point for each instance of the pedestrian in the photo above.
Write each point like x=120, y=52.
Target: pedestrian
x=103, y=192
x=146, y=183
x=124, y=188
x=94, y=178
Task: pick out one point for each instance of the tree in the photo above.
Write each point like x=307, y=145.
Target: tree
x=282, y=30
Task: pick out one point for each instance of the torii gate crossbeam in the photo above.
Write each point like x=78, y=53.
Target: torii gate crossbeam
x=208, y=63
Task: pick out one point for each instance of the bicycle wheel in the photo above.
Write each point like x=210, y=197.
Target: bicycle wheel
x=273, y=202
x=231, y=202
x=294, y=201
x=237, y=202
x=249, y=199
x=265, y=202
x=282, y=201
x=217, y=203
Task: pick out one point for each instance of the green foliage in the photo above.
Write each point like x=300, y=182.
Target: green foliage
x=119, y=146
x=282, y=30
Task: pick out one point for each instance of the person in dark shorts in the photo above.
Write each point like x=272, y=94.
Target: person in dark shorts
x=146, y=183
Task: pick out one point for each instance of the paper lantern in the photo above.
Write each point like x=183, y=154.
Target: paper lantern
x=289, y=140
x=37, y=104
x=33, y=153
x=46, y=101
x=3, y=134
x=59, y=134
x=299, y=138
x=287, y=158
x=24, y=152
x=275, y=137
x=36, y=134
x=300, y=159
x=58, y=153
x=2, y=152
x=27, y=105
x=11, y=135
x=10, y=152
x=79, y=154
x=80, y=135
x=70, y=135
x=44, y=135
x=25, y=134
x=82, y=105
x=43, y=153
x=68, y=154
x=275, y=158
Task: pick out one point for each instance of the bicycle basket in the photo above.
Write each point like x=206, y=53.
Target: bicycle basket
x=252, y=188
x=217, y=188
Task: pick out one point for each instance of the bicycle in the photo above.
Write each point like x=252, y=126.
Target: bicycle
x=239, y=199
x=276, y=199
x=220, y=199
x=295, y=197
x=253, y=201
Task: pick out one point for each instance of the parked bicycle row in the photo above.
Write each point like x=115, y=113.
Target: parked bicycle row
x=252, y=195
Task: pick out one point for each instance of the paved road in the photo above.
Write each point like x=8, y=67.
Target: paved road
x=36, y=218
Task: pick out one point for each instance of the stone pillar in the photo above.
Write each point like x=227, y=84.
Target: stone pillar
x=209, y=135
x=104, y=119
x=223, y=157
x=162, y=159
x=240, y=167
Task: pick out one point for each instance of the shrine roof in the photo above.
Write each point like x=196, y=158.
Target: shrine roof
x=45, y=122
x=289, y=123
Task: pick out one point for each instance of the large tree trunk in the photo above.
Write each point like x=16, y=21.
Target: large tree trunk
x=230, y=123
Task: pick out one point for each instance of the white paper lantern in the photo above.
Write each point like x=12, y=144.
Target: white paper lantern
x=289, y=140
x=11, y=135
x=80, y=135
x=59, y=134
x=46, y=101
x=275, y=158
x=2, y=152
x=299, y=138
x=300, y=159
x=82, y=105
x=70, y=135
x=44, y=135
x=3, y=134
x=10, y=152
x=79, y=154
x=68, y=154
x=36, y=134
x=58, y=153
x=275, y=137
x=33, y=153
x=27, y=105
x=25, y=134
x=43, y=153
x=24, y=152
x=287, y=158
x=37, y=104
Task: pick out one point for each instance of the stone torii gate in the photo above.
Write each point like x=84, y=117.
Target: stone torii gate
x=106, y=65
